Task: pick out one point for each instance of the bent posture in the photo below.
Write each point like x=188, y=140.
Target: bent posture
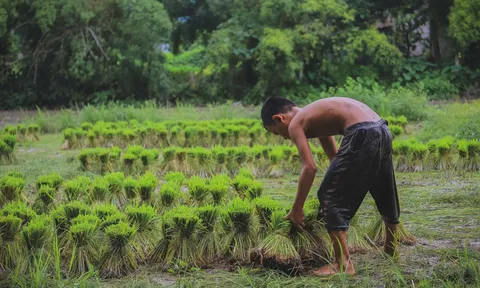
x=363, y=163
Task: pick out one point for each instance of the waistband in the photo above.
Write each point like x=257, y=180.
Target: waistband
x=364, y=125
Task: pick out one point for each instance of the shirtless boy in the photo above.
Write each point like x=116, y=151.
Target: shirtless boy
x=363, y=163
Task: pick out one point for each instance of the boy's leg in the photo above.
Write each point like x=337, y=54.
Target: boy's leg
x=342, y=263
x=390, y=246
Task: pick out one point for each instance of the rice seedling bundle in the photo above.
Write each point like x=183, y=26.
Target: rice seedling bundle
x=76, y=188
x=473, y=162
x=419, y=154
x=146, y=186
x=118, y=259
x=277, y=250
x=36, y=234
x=169, y=155
x=169, y=193
x=404, y=155
x=254, y=190
x=34, y=131
x=144, y=219
x=204, y=161
x=241, y=184
x=7, y=155
x=19, y=209
x=46, y=194
x=189, y=133
x=60, y=220
x=130, y=187
x=176, y=178
x=444, y=147
x=74, y=209
x=15, y=174
x=376, y=232
x=128, y=159
x=148, y=156
x=115, y=188
x=103, y=210
x=220, y=155
x=198, y=189
x=181, y=157
x=210, y=245
x=223, y=136
x=396, y=130
x=275, y=170
x=112, y=219
x=217, y=190
x=399, y=121
x=99, y=189
x=128, y=136
x=81, y=249
x=11, y=188
x=264, y=207
x=21, y=132
x=241, y=228
x=10, y=250
x=10, y=129
x=180, y=231
x=432, y=157
x=356, y=237
x=174, y=132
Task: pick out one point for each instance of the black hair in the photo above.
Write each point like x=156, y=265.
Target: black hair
x=273, y=106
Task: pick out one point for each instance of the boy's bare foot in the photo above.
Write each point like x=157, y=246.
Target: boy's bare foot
x=334, y=268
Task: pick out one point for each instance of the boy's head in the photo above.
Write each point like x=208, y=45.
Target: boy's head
x=276, y=115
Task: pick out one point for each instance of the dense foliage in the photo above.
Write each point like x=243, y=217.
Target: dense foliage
x=66, y=52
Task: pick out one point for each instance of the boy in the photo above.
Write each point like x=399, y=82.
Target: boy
x=363, y=163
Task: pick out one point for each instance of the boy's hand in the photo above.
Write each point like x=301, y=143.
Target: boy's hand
x=296, y=216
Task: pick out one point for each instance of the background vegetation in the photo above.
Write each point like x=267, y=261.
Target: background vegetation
x=64, y=52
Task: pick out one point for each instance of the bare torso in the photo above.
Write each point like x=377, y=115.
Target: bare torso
x=331, y=116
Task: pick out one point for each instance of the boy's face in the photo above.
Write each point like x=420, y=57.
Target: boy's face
x=280, y=127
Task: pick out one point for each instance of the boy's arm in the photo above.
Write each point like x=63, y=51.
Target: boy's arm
x=309, y=169
x=329, y=146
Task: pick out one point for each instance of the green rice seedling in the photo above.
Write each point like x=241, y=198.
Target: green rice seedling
x=264, y=207
x=135, y=150
x=33, y=131
x=92, y=139
x=128, y=136
x=10, y=140
x=10, y=129
x=399, y=121
x=254, y=132
x=220, y=155
x=110, y=135
x=240, y=156
x=201, y=133
x=241, y=227
x=376, y=232
x=473, y=161
x=204, y=162
x=223, y=136
x=79, y=138
x=19, y=209
x=10, y=249
x=189, y=133
x=86, y=218
x=115, y=188
x=16, y=174
x=128, y=160
x=112, y=219
x=6, y=153
x=169, y=193
x=86, y=126
x=180, y=161
x=176, y=178
x=462, y=148
x=99, y=190
x=118, y=258
x=181, y=228
x=209, y=245
x=148, y=156
x=142, y=134
x=104, y=210
x=254, y=190
x=37, y=233
x=104, y=156
x=81, y=248
x=277, y=250
x=191, y=161
x=76, y=188
x=46, y=195
x=241, y=184
x=162, y=135
x=130, y=186
x=404, y=147
x=444, y=147
x=174, y=133
x=356, y=237
x=169, y=155
x=244, y=172
x=60, y=220
x=21, y=132
x=198, y=189
x=432, y=158
x=74, y=209
x=396, y=130
x=419, y=153
x=275, y=170
x=11, y=189
x=146, y=186
x=85, y=158
x=144, y=219
x=218, y=190
x=222, y=179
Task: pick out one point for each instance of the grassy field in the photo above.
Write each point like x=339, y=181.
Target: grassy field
x=439, y=208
